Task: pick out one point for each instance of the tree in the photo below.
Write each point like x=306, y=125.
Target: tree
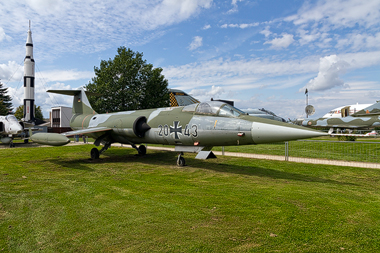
x=127, y=82
x=5, y=100
x=19, y=114
x=3, y=109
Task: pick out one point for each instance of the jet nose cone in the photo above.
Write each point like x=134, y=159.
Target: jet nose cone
x=16, y=129
x=267, y=133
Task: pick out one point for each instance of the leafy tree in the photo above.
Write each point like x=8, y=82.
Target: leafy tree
x=127, y=82
x=5, y=100
x=3, y=109
x=19, y=114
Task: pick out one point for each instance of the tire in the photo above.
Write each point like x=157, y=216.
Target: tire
x=142, y=150
x=94, y=153
x=181, y=161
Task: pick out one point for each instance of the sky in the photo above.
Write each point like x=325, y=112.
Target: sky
x=258, y=53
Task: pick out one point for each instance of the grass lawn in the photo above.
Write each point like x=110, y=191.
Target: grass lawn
x=56, y=199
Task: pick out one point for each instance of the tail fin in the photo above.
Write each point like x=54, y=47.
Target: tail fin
x=180, y=98
x=81, y=105
x=369, y=111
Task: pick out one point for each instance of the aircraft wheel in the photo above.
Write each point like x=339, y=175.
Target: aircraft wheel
x=94, y=153
x=142, y=150
x=26, y=141
x=181, y=161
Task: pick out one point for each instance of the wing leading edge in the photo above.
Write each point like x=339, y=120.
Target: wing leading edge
x=98, y=130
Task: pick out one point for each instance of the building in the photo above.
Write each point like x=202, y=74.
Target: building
x=60, y=119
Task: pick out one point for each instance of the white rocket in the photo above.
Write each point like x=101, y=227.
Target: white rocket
x=29, y=80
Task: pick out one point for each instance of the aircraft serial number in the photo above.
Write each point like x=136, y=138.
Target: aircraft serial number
x=165, y=130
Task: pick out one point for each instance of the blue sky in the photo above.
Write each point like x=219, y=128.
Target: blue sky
x=259, y=53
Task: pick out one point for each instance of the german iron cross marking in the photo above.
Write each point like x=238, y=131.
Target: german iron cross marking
x=176, y=129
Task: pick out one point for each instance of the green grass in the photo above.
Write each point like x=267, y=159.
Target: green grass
x=58, y=200
x=347, y=151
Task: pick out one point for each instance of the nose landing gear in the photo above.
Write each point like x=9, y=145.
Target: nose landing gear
x=180, y=160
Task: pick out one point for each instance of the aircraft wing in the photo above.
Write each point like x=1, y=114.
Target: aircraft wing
x=88, y=131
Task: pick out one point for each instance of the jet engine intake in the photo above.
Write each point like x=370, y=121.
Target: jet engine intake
x=140, y=126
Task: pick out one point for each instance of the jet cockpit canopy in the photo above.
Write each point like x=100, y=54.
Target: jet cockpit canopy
x=214, y=108
x=11, y=118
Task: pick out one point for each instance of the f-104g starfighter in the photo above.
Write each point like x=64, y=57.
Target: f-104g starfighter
x=192, y=128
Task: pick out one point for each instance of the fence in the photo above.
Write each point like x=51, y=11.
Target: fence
x=344, y=153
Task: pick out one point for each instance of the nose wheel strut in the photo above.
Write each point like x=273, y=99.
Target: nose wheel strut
x=180, y=160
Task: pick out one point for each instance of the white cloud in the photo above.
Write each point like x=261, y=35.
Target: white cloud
x=3, y=36
x=266, y=32
x=359, y=41
x=243, y=73
x=42, y=98
x=306, y=36
x=339, y=13
x=172, y=11
x=283, y=42
x=330, y=68
x=206, y=94
x=206, y=27
x=234, y=6
x=64, y=75
x=96, y=26
x=196, y=43
x=11, y=71
x=241, y=26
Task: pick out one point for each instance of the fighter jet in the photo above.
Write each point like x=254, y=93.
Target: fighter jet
x=344, y=111
x=264, y=114
x=192, y=128
x=181, y=98
x=9, y=127
x=366, y=118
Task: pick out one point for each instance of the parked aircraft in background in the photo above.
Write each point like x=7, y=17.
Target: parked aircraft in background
x=9, y=127
x=192, y=128
x=344, y=111
x=181, y=98
x=263, y=113
x=367, y=118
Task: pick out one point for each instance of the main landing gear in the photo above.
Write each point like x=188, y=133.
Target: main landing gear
x=95, y=153
x=11, y=144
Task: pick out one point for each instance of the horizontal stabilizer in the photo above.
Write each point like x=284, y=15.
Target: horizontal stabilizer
x=73, y=92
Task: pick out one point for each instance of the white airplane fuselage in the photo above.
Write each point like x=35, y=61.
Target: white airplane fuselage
x=351, y=109
x=9, y=126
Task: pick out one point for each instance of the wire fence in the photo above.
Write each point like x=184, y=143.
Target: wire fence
x=344, y=153
x=358, y=151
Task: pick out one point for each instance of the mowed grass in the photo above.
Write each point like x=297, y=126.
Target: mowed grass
x=56, y=199
x=333, y=150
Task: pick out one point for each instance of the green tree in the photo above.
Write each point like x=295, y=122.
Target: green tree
x=19, y=114
x=127, y=82
x=3, y=109
x=5, y=100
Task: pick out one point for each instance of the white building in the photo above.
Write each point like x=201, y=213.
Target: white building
x=60, y=116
